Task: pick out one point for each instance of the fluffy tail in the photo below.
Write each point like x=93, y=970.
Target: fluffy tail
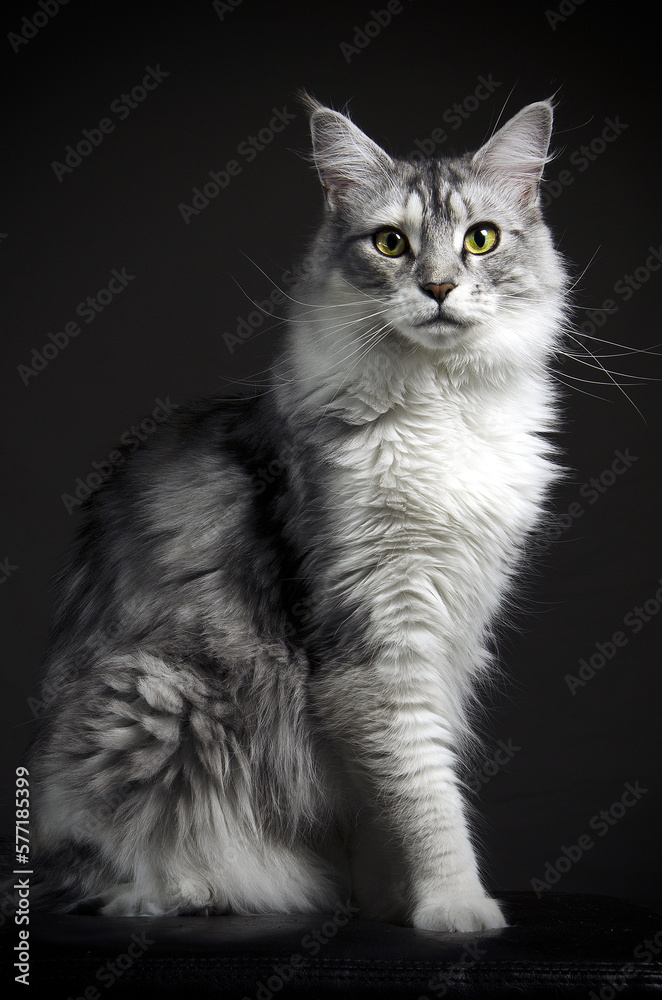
x=64, y=879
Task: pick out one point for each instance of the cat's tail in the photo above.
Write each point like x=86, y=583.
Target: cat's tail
x=65, y=878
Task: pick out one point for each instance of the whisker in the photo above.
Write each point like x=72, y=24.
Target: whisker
x=281, y=290
x=612, y=343
x=611, y=377
x=338, y=328
x=593, y=381
x=596, y=358
x=375, y=339
x=617, y=354
x=368, y=335
x=372, y=335
x=575, y=388
x=582, y=273
x=599, y=367
x=335, y=319
x=313, y=306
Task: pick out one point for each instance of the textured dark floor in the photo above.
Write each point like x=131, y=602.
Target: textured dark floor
x=557, y=946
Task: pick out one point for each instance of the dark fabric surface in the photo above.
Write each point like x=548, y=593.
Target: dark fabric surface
x=561, y=945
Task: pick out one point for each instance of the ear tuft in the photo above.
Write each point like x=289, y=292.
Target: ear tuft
x=309, y=103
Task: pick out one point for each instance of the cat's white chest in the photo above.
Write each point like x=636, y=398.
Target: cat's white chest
x=437, y=466
x=430, y=503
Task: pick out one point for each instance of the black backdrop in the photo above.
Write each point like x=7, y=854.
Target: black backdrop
x=171, y=94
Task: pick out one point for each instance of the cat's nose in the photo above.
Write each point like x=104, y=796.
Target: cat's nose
x=438, y=292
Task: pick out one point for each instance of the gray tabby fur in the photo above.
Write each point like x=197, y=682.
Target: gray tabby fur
x=262, y=682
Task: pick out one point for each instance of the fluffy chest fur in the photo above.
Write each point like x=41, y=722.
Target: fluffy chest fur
x=429, y=503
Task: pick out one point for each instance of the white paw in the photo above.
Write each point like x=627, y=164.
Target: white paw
x=187, y=897
x=458, y=913
x=130, y=904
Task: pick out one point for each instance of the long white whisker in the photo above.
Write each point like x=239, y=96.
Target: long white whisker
x=616, y=354
x=613, y=380
x=375, y=339
x=596, y=358
x=612, y=343
x=368, y=337
x=339, y=327
x=598, y=367
x=581, y=275
x=593, y=381
x=575, y=388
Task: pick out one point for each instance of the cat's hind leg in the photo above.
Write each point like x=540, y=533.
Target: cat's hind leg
x=194, y=783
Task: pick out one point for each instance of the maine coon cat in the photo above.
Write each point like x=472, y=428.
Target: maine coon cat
x=259, y=685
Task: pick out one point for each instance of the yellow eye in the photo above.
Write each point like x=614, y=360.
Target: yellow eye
x=481, y=239
x=390, y=242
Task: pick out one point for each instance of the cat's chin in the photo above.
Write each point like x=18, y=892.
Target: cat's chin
x=439, y=334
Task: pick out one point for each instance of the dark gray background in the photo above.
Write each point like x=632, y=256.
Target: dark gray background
x=164, y=335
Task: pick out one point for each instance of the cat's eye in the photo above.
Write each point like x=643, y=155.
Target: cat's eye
x=481, y=239
x=390, y=242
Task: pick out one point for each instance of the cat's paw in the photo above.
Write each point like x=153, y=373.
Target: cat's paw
x=128, y=903
x=185, y=898
x=459, y=913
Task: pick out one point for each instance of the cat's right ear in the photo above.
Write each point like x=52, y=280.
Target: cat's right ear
x=347, y=161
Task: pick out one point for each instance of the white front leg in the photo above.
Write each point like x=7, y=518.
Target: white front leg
x=398, y=749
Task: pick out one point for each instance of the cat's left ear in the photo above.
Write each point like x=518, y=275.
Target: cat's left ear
x=345, y=157
x=516, y=155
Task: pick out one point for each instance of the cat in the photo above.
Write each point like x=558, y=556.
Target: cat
x=260, y=682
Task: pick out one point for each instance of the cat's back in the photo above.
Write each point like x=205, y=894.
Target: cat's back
x=166, y=524
x=191, y=465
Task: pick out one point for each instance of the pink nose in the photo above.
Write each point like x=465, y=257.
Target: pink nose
x=438, y=292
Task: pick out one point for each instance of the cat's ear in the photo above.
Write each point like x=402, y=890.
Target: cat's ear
x=515, y=155
x=346, y=159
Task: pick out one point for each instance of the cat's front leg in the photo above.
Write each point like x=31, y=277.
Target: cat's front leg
x=396, y=743
x=445, y=887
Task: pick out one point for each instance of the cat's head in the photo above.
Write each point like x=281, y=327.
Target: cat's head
x=451, y=254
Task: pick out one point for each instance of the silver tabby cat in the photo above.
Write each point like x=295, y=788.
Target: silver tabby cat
x=268, y=637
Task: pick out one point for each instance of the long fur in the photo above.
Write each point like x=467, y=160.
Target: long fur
x=270, y=631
